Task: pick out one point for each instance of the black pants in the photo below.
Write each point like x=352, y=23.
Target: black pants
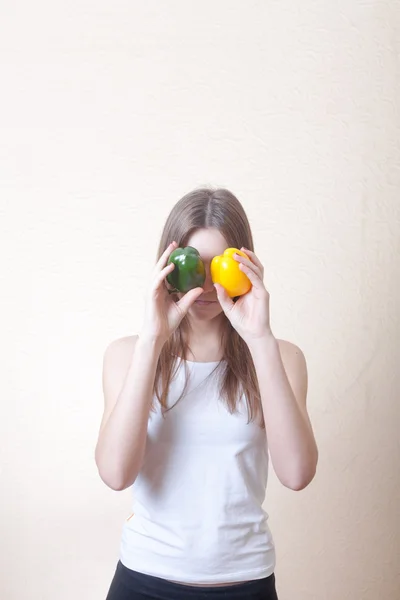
x=131, y=585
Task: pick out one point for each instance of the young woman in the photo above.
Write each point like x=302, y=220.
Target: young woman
x=194, y=406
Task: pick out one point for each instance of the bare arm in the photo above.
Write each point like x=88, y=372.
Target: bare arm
x=129, y=368
x=282, y=374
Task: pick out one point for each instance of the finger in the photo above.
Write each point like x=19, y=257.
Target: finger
x=165, y=255
x=160, y=277
x=225, y=301
x=245, y=261
x=189, y=298
x=253, y=258
x=254, y=277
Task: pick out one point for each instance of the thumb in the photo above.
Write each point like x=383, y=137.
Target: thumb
x=225, y=301
x=189, y=298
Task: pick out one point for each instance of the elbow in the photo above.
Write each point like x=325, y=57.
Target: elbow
x=114, y=483
x=114, y=480
x=116, y=486
x=299, y=482
x=301, y=476
x=119, y=488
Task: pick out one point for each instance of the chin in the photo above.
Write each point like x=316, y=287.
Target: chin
x=205, y=313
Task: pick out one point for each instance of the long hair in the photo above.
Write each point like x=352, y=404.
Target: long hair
x=220, y=209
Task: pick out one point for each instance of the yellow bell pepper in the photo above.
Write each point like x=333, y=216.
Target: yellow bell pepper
x=225, y=271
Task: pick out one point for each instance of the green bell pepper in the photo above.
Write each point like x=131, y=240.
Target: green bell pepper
x=189, y=271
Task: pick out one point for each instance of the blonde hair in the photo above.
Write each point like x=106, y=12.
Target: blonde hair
x=220, y=209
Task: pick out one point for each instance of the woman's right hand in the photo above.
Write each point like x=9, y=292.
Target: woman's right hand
x=162, y=313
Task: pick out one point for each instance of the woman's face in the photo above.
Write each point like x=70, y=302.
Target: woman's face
x=209, y=243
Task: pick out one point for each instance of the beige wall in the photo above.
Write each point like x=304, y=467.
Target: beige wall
x=111, y=111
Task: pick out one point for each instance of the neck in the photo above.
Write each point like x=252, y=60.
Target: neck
x=205, y=335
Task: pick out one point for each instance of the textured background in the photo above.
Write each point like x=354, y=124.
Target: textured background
x=109, y=113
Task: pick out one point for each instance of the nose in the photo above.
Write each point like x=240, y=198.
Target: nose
x=208, y=286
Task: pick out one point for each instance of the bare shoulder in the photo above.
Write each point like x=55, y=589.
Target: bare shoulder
x=295, y=365
x=289, y=350
x=121, y=347
x=117, y=359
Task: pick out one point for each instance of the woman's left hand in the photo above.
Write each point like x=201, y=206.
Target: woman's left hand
x=249, y=315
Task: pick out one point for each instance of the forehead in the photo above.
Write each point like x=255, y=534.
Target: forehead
x=209, y=242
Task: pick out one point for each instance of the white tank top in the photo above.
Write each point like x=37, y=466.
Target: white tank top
x=197, y=501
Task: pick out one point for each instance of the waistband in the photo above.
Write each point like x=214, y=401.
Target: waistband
x=163, y=589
